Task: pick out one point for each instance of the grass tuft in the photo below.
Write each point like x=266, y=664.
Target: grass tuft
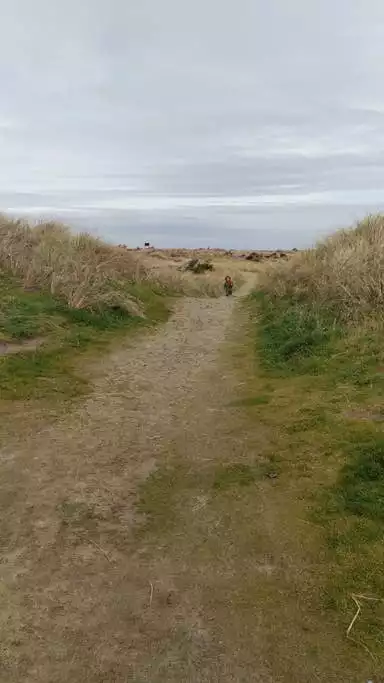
x=361, y=481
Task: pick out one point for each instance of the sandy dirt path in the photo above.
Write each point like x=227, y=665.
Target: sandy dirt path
x=91, y=591
x=137, y=542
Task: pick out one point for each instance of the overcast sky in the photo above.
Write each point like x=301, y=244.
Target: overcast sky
x=249, y=123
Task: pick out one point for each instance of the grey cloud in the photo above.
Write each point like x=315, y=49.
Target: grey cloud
x=119, y=100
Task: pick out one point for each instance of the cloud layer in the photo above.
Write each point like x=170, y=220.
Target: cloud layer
x=249, y=123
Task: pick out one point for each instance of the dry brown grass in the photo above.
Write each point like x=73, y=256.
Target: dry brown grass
x=82, y=270
x=188, y=284
x=88, y=273
x=163, y=267
x=346, y=272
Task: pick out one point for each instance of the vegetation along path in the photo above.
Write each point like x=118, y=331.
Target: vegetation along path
x=149, y=535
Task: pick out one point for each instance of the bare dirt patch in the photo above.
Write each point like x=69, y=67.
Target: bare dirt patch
x=9, y=348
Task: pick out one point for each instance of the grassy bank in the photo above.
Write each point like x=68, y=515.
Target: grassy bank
x=42, y=339
x=319, y=337
x=62, y=295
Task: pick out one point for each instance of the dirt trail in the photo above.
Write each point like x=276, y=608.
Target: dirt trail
x=133, y=550
x=76, y=577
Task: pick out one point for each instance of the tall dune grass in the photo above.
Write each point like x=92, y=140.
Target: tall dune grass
x=83, y=271
x=88, y=273
x=163, y=268
x=189, y=284
x=343, y=274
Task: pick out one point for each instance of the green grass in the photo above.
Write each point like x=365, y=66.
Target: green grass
x=361, y=481
x=292, y=334
x=323, y=378
x=54, y=368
